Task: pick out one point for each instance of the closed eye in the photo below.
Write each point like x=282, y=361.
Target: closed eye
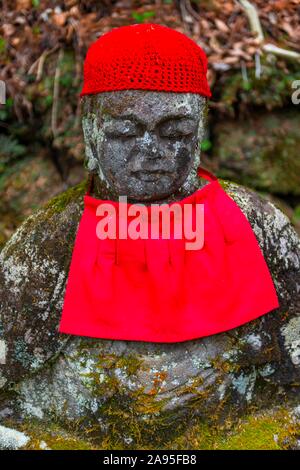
x=124, y=128
x=175, y=134
x=177, y=128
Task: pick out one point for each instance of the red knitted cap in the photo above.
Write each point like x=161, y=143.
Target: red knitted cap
x=145, y=56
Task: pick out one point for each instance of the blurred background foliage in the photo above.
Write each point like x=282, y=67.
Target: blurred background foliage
x=253, y=134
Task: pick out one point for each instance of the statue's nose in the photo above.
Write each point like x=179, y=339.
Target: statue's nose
x=148, y=145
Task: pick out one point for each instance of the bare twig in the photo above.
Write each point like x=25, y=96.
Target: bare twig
x=41, y=66
x=256, y=28
x=56, y=94
x=253, y=18
x=191, y=10
x=244, y=72
x=186, y=18
x=39, y=63
x=272, y=49
x=257, y=65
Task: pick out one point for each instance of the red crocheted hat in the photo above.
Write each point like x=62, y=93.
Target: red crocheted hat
x=145, y=56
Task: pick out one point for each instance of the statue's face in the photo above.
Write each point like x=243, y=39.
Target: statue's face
x=143, y=143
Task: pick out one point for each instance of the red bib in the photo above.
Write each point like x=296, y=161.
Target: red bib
x=155, y=289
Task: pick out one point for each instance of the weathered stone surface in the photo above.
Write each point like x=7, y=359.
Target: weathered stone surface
x=11, y=439
x=34, y=266
x=261, y=151
x=100, y=381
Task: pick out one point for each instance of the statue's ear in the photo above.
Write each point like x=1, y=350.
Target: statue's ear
x=203, y=110
x=90, y=162
x=86, y=164
x=94, y=153
x=89, y=126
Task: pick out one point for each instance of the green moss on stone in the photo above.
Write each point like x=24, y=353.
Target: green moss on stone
x=59, y=203
x=53, y=436
x=136, y=414
x=269, y=431
x=275, y=430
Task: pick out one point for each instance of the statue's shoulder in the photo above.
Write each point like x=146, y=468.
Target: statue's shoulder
x=275, y=234
x=47, y=230
x=267, y=220
x=34, y=266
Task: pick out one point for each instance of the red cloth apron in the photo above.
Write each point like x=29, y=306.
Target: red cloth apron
x=155, y=289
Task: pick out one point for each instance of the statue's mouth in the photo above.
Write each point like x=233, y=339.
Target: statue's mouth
x=150, y=176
